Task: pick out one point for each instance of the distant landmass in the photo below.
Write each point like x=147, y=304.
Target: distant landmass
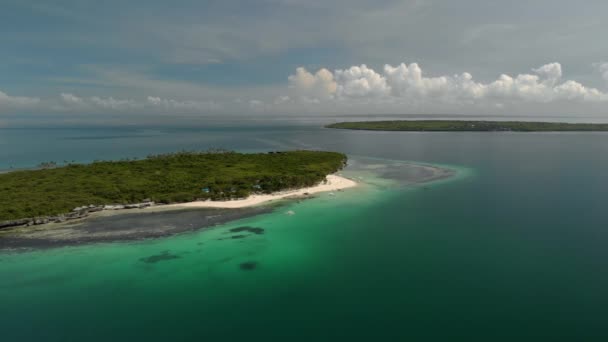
x=469, y=126
x=57, y=193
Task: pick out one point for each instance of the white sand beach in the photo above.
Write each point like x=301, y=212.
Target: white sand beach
x=334, y=183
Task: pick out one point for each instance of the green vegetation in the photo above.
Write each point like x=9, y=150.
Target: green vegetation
x=172, y=178
x=469, y=126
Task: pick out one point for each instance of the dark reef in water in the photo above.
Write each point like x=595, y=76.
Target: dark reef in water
x=128, y=227
x=254, y=230
x=248, y=266
x=153, y=259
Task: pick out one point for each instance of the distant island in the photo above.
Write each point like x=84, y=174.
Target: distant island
x=58, y=193
x=469, y=126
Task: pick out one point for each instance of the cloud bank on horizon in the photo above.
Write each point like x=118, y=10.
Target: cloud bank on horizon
x=402, y=86
x=80, y=60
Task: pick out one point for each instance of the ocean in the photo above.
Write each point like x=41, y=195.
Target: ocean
x=512, y=248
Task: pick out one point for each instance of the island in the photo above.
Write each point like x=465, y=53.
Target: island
x=470, y=126
x=54, y=194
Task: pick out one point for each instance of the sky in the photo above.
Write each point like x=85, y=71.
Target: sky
x=97, y=61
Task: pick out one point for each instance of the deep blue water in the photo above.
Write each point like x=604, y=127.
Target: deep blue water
x=514, y=252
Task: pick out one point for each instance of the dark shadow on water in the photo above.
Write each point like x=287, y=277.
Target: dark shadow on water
x=225, y=260
x=248, y=266
x=164, y=256
x=234, y=237
x=254, y=230
x=244, y=229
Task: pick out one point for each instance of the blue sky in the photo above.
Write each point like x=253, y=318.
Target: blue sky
x=94, y=58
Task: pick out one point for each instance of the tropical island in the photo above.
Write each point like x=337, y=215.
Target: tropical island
x=469, y=126
x=56, y=193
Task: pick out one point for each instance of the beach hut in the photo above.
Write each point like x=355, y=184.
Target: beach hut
x=206, y=190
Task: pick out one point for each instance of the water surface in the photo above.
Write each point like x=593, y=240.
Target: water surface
x=514, y=249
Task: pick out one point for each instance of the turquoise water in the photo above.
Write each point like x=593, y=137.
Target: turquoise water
x=512, y=249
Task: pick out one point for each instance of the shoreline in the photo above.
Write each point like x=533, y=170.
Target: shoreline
x=154, y=221
x=467, y=126
x=149, y=220
x=334, y=183
x=58, y=193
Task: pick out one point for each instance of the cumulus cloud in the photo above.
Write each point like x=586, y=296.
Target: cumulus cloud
x=551, y=72
x=407, y=84
x=361, y=81
x=408, y=80
x=319, y=85
x=17, y=102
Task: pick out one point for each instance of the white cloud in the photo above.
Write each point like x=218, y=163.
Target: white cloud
x=320, y=85
x=572, y=90
x=281, y=100
x=552, y=72
x=17, y=102
x=256, y=104
x=70, y=98
x=358, y=89
x=361, y=81
x=408, y=80
x=73, y=102
x=182, y=105
x=151, y=103
x=112, y=103
x=408, y=84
